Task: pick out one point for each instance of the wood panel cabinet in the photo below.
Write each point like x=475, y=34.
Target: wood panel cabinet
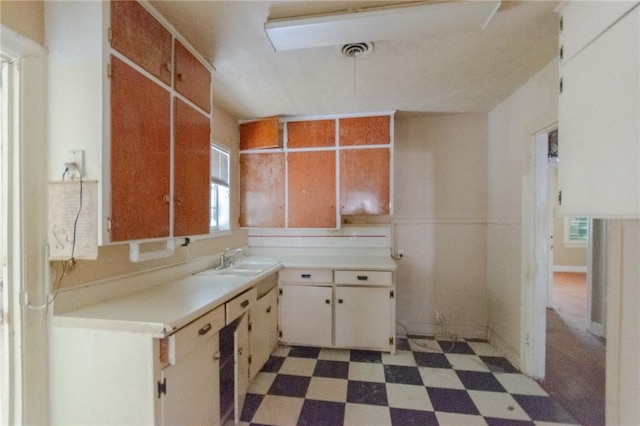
x=311, y=186
x=192, y=154
x=599, y=137
x=112, y=98
x=140, y=37
x=191, y=78
x=260, y=134
x=262, y=190
x=365, y=130
x=364, y=181
x=140, y=155
x=311, y=133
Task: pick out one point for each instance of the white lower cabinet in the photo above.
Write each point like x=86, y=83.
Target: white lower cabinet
x=241, y=363
x=355, y=310
x=263, y=331
x=191, y=387
x=306, y=315
x=363, y=317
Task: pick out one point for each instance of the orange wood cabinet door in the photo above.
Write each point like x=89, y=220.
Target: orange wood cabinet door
x=316, y=133
x=260, y=134
x=364, y=181
x=365, y=130
x=140, y=155
x=262, y=185
x=312, y=189
x=141, y=38
x=192, y=173
x=191, y=78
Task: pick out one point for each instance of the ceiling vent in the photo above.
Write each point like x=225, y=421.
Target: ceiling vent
x=354, y=50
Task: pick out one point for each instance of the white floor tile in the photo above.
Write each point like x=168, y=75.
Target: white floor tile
x=459, y=419
x=498, y=404
x=281, y=351
x=327, y=389
x=440, y=378
x=484, y=349
x=520, y=384
x=466, y=362
x=411, y=397
x=262, y=383
x=298, y=366
x=278, y=410
x=366, y=372
x=366, y=415
x=400, y=358
x=335, y=354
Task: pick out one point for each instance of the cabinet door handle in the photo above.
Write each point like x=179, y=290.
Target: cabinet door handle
x=327, y=301
x=269, y=309
x=204, y=330
x=306, y=276
x=166, y=198
x=363, y=277
x=217, y=355
x=179, y=76
x=179, y=201
x=240, y=350
x=339, y=300
x=244, y=304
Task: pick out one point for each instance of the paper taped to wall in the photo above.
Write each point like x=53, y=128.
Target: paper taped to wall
x=73, y=220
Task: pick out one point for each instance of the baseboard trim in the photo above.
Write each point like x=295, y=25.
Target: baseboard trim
x=511, y=354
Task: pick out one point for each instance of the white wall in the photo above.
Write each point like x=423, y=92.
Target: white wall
x=512, y=126
x=440, y=197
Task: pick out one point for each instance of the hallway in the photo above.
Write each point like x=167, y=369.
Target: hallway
x=575, y=361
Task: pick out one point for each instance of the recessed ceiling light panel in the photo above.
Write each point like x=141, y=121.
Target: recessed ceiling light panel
x=389, y=23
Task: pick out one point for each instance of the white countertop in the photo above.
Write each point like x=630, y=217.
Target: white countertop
x=161, y=309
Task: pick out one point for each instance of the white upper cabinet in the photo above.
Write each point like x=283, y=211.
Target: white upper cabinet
x=599, y=111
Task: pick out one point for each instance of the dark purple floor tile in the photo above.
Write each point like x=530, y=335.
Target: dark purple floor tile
x=334, y=369
x=507, y=422
x=401, y=417
x=543, y=408
x=251, y=403
x=304, y=352
x=431, y=359
x=403, y=345
x=366, y=356
x=480, y=380
x=287, y=385
x=321, y=413
x=498, y=364
x=402, y=374
x=273, y=364
x=451, y=401
x=455, y=347
x=367, y=393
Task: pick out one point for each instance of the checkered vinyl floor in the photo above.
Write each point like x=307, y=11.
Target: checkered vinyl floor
x=466, y=383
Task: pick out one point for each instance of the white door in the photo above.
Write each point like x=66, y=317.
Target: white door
x=305, y=315
x=191, y=386
x=241, y=366
x=263, y=334
x=363, y=317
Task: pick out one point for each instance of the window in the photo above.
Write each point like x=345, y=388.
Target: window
x=220, y=193
x=576, y=231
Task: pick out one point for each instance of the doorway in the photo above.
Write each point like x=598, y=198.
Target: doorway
x=574, y=371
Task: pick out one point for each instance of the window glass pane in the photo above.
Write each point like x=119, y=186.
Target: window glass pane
x=220, y=194
x=578, y=229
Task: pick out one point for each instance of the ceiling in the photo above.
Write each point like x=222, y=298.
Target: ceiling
x=452, y=73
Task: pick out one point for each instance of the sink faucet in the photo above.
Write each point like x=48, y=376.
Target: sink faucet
x=226, y=261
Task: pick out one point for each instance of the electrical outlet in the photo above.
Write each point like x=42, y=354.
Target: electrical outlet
x=76, y=157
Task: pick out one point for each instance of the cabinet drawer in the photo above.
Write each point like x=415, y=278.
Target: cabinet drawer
x=382, y=278
x=190, y=336
x=302, y=275
x=239, y=304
